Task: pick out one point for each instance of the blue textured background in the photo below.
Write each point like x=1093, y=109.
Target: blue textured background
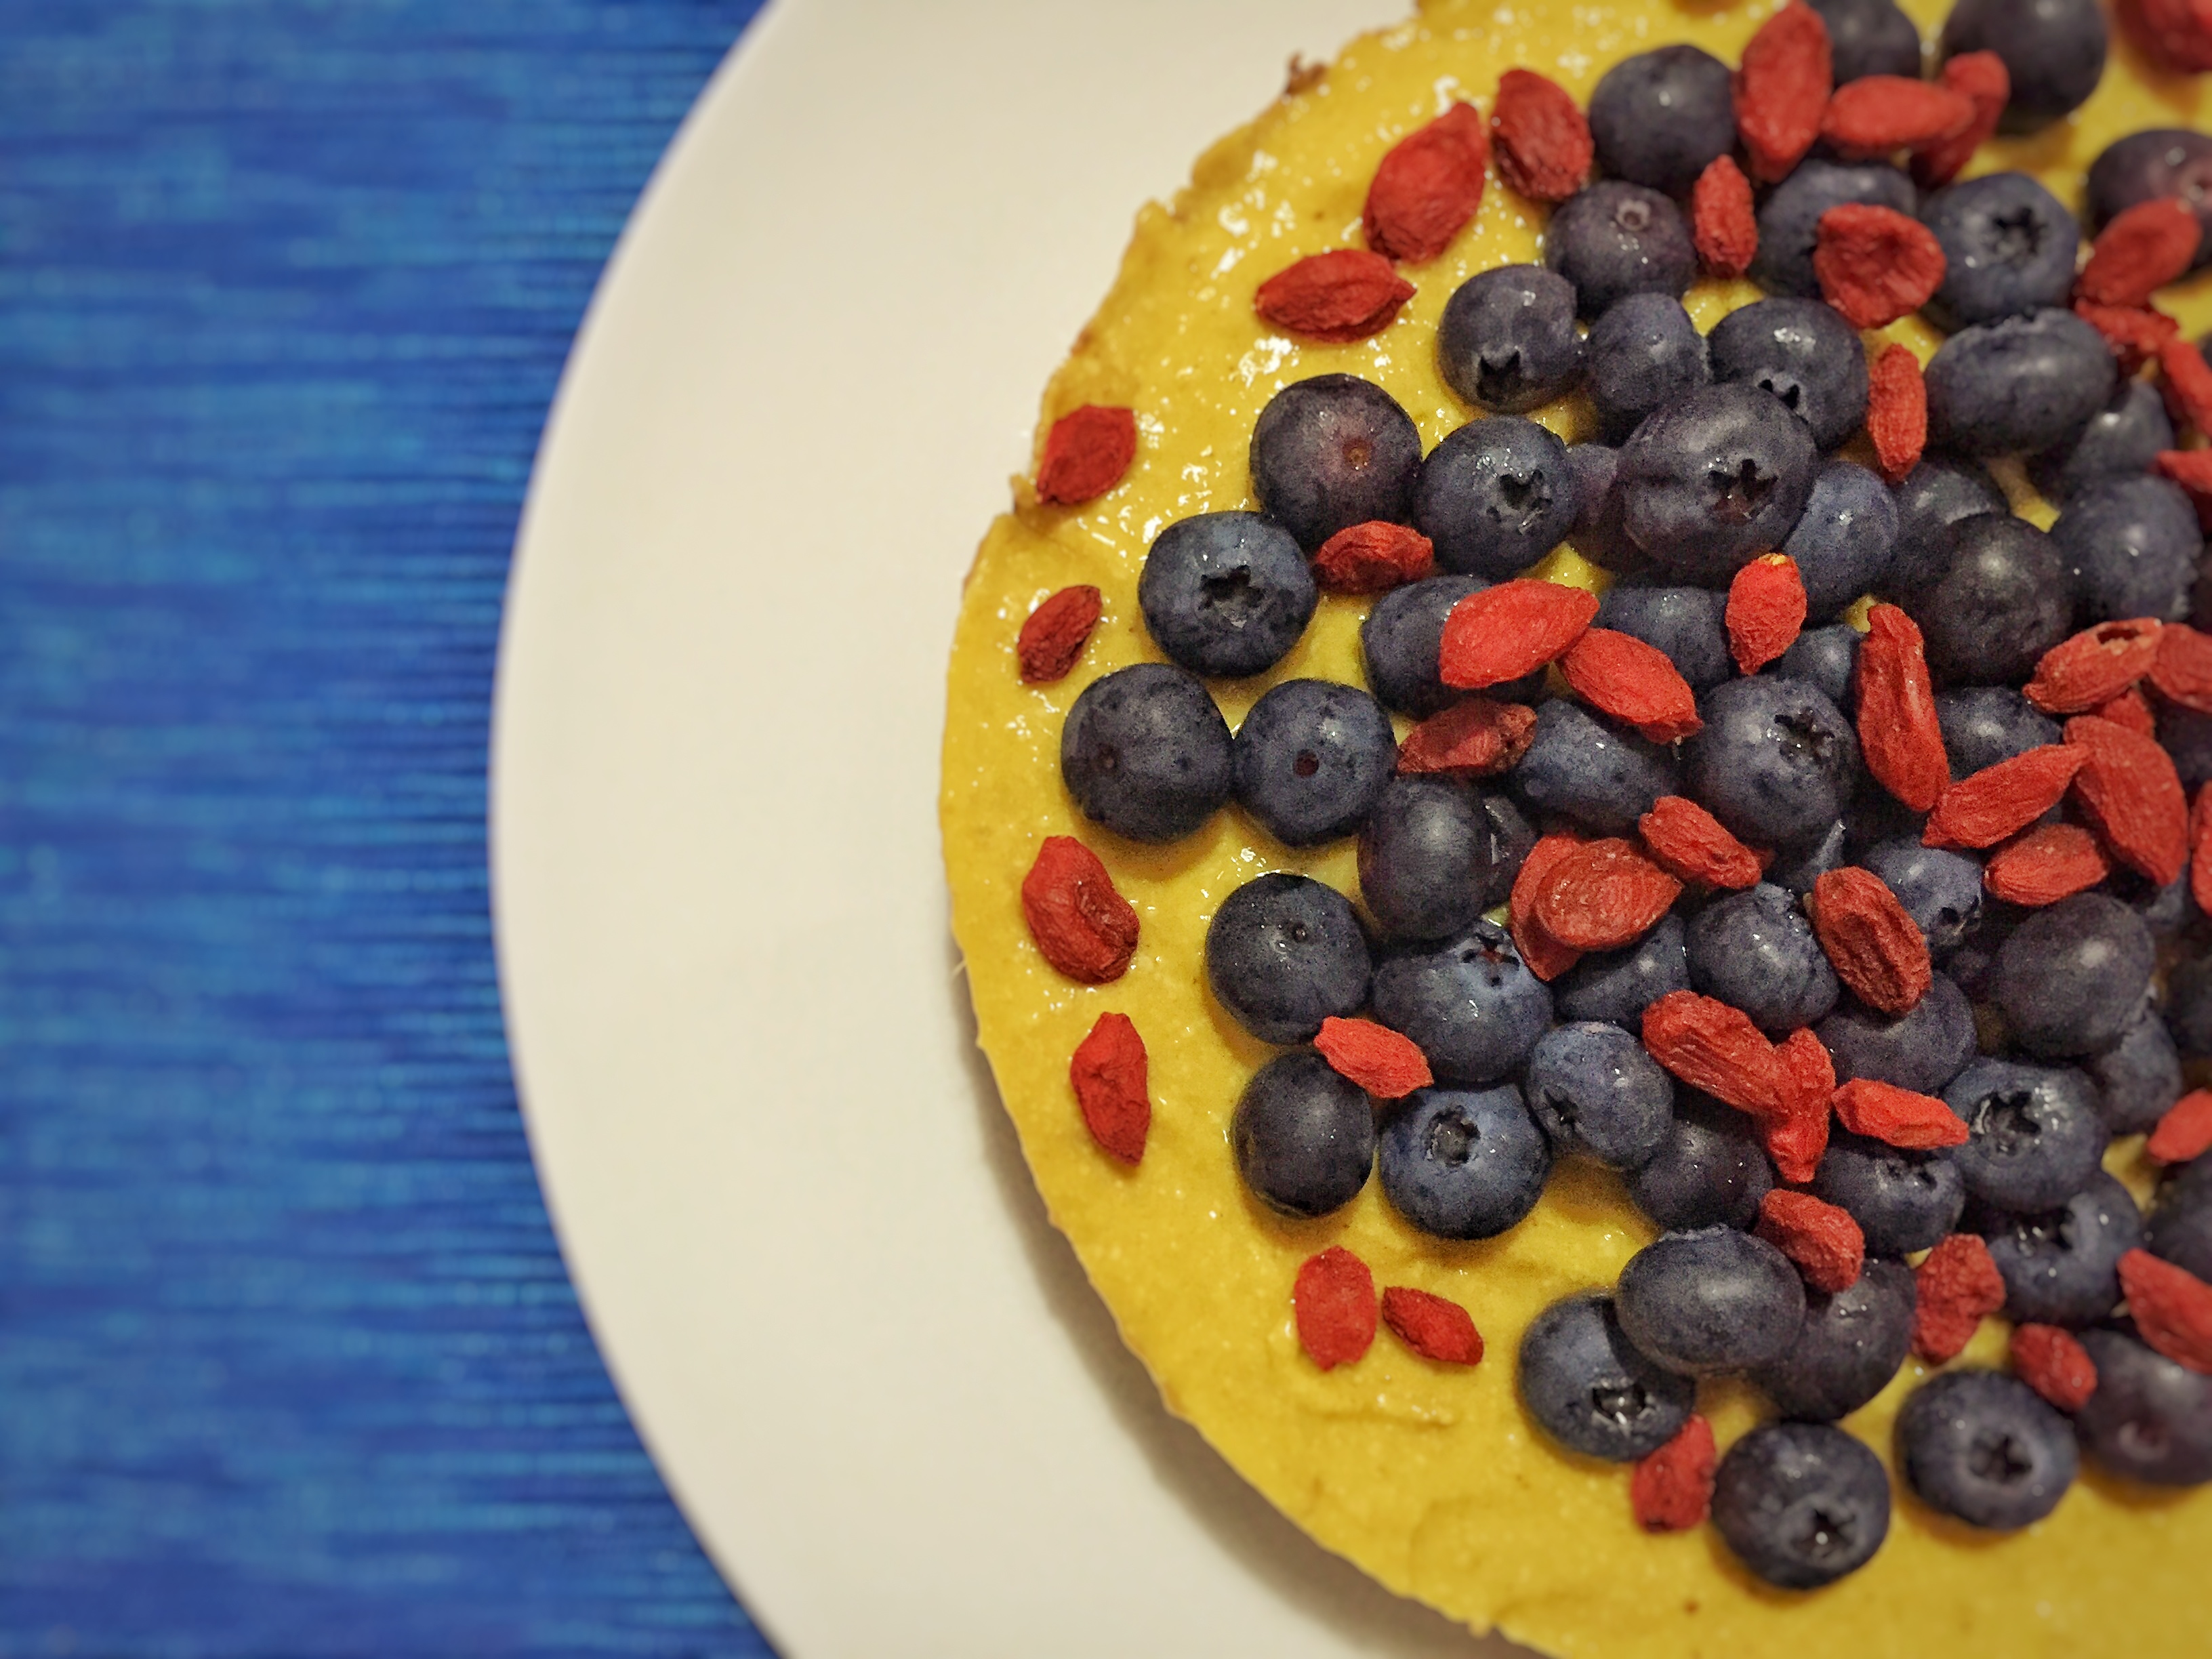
x=288, y=1364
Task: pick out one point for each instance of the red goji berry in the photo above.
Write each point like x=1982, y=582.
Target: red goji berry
x=2181, y=669
x=2177, y=33
x=1083, y=926
x=1781, y=90
x=2199, y=850
x=1899, y=737
x=1981, y=78
x=2051, y=862
x=2055, y=1364
x=1428, y=187
x=1373, y=558
x=1711, y=1046
x=1334, y=1301
x=1475, y=739
x=1825, y=1242
x=2132, y=796
x=1109, y=1072
x=1341, y=296
x=1798, y=1139
x=2192, y=470
x=1054, y=634
x=1085, y=454
x=1692, y=843
x=1722, y=220
x=2094, y=665
x=2185, y=1130
x=1385, y=1064
x=1765, y=609
x=2171, y=1308
x=1604, y=895
x=2186, y=381
x=2001, y=800
x=1872, y=941
x=1878, y=113
x=1959, y=1286
x=1897, y=411
x=1673, y=1487
x=2131, y=709
x=2135, y=333
x=1432, y=1326
x=1546, y=958
x=1509, y=630
x=1897, y=1117
x=2139, y=252
x=1636, y=683
x=1544, y=146
x=1875, y=264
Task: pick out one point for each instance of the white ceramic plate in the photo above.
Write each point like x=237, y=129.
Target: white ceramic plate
x=874, y=1377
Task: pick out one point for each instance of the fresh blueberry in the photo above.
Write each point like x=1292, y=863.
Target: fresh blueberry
x=1790, y=218
x=1711, y=1172
x=1940, y=890
x=1145, y=753
x=1985, y=1449
x=1643, y=352
x=1302, y=1136
x=2131, y=546
x=1936, y=495
x=1660, y=116
x=2071, y=977
x=2189, y=1008
x=1582, y=766
x=1826, y=659
x=2063, y=1267
x=1805, y=353
x=1869, y=37
x=2021, y=384
x=1332, y=452
x=1591, y=1390
x=1921, y=1049
x=1845, y=536
x=2122, y=438
x=1595, y=1090
x=2053, y=50
x=1226, y=593
x=2138, y=1079
x=2002, y=601
x=1472, y=1005
x=1463, y=1163
x=1775, y=762
x=1618, y=986
x=1399, y=642
x=2144, y=166
x=1507, y=340
x=1431, y=860
x=2186, y=735
x=1982, y=725
x=1903, y=1201
x=1284, y=952
x=1613, y=238
x=1311, y=757
x=1850, y=1345
x=2179, y=1230
x=1798, y=866
x=2008, y=247
x=1714, y=479
x=1711, y=1300
x=2036, y=1137
x=1496, y=496
x=1755, y=950
x=1801, y=1503
x=2151, y=1420
x=1686, y=624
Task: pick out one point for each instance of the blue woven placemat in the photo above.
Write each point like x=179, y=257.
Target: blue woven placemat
x=288, y=1364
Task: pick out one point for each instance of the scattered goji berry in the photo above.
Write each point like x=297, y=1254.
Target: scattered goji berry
x=2002, y=799
x=1871, y=940
x=2192, y=470
x=1085, y=454
x=2132, y=796
x=1382, y=1062
x=1544, y=146
x=2185, y=1130
x=1546, y=958
x=2171, y=1308
x=1475, y=739
x=1959, y=1286
x=1711, y=1046
x=1428, y=187
x=1981, y=78
x=1333, y=1301
x=1897, y=411
x=1432, y=1326
x=1604, y=895
x=1509, y=630
x=1054, y=635
x=1875, y=264
x=2094, y=665
x=1673, y=1487
x=1343, y=294
x=2134, y=332
x=1823, y=1240
x=2177, y=33
x=2187, y=382
x=1109, y=1072
x=1878, y=113
x=1782, y=88
x=1692, y=843
x=2131, y=709
x=1898, y=1117
x=1765, y=609
x=1083, y=926
x=1899, y=737
x=1634, y=682
x=2199, y=850
x=1373, y=558
x=2051, y=862
x=2140, y=250
x=1722, y=220
x=2055, y=1364
x=1797, y=1139
x=2181, y=670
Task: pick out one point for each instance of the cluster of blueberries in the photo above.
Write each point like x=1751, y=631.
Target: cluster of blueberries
x=1718, y=448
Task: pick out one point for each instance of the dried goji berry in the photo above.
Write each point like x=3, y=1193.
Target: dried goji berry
x=1711, y=1046
x=1823, y=1240
x=1782, y=88
x=2185, y=1130
x=1959, y=1286
x=2187, y=382
x=2132, y=796
x=1387, y=1065
x=2051, y=862
x=1109, y=1072
x=2181, y=669
x=1797, y=1139
x=1673, y=1487
x=1083, y=926
x=2131, y=709
x=2199, y=850
x=2055, y=1364
x=2177, y=33
x=2192, y=470
x=1875, y=264
x=1432, y=1326
x=2001, y=800
x=1546, y=958
x=1333, y=1300
x=2171, y=1308
x=2140, y=250
x=1544, y=146
x=1899, y=737
x=1604, y=895
x=1898, y=1117
x=1897, y=411
x=1343, y=294
x=1694, y=845
x=1878, y=113
x=2094, y=665
x=1872, y=941
x=1085, y=454
x=1427, y=187
x=1373, y=558
x=1509, y=630
x=1981, y=78
x=1054, y=634
x=1765, y=609
x=1632, y=681
x=1722, y=220
x=2134, y=332
x=1475, y=739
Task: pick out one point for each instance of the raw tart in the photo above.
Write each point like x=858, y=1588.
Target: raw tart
x=1432, y=1478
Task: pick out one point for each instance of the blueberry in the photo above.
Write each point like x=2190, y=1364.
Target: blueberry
x=1431, y=860
x=1311, y=757
x=1982, y=725
x=1755, y=950
x=1496, y=496
x=1850, y=1345
x=2023, y=383
x=1507, y=340
x=2009, y=248
x=1472, y=1005
x=2180, y=1226
x=1463, y=1163
x=1612, y=240
x=1643, y=352
x=1145, y=753
x=1599, y=534
x=1711, y=1172
x=1284, y=952
x=1660, y=116
x=1922, y=1050
x=2003, y=600
x=1805, y=353
x=2071, y=977
x=1595, y=1090
x=1826, y=659
x=1804, y=862
x=2144, y=166
x=2053, y=50
x=2151, y=1420
x=1711, y=1300
x=1844, y=538
x=1302, y=1136
x=2131, y=547
x=1582, y=766
x=1399, y=642
x=2124, y=437
x=2189, y=1008
x=1687, y=624
x=2165, y=910
x=2138, y=1079
x=2186, y=735
x=1984, y=1449
x=1618, y=986
x=1226, y=593
x=1775, y=762
x=1903, y=1201
x=1936, y=495
x=1591, y=1390
x=1714, y=479
x=1869, y=37
x=1332, y=452
x=1940, y=890
x=2036, y=1137
x=1801, y=1503
x=1790, y=218
x=1974, y=963
x=2063, y=1267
